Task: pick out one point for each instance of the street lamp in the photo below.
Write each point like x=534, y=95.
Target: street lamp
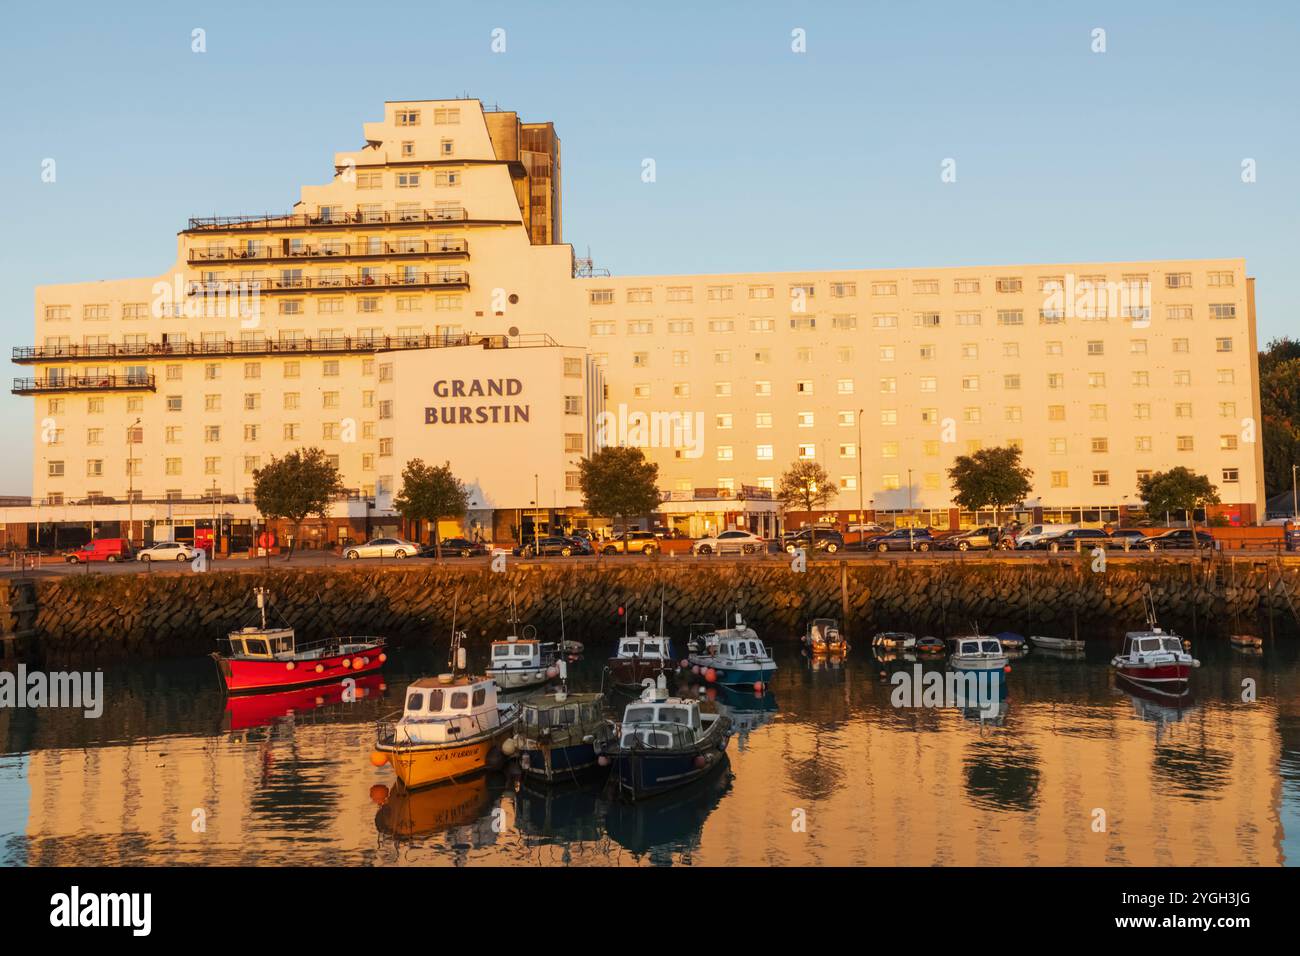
x=130, y=482
x=911, y=543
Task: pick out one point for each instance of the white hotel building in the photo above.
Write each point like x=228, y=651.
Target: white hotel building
x=390, y=310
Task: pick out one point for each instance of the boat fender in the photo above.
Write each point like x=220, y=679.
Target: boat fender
x=700, y=761
x=378, y=758
x=602, y=760
x=1007, y=669
x=711, y=675
x=289, y=666
x=758, y=687
x=320, y=668
x=346, y=663
x=509, y=747
x=383, y=658
x=356, y=663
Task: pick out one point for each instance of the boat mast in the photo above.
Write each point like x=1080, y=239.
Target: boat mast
x=455, y=635
x=261, y=605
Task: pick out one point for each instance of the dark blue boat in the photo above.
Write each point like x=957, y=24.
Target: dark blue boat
x=558, y=735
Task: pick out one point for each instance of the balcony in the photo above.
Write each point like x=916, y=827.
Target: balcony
x=84, y=383
x=342, y=219
x=354, y=345
x=411, y=249
x=378, y=282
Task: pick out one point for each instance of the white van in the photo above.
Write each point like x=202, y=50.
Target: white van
x=1030, y=536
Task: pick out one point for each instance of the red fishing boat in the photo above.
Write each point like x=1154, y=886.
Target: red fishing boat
x=1154, y=659
x=265, y=658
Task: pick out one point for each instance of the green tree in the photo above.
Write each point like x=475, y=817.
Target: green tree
x=618, y=482
x=806, y=484
x=1279, y=402
x=430, y=494
x=1176, y=490
x=302, y=483
x=990, y=477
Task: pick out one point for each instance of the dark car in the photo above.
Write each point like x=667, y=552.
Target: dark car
x=1133, y=537
x=581, y=544
x=545, y=546
x=1066, y=541
x=454, y=547
x=901, y=539
x=821, y=539
x=1180, y=539
x=975, y=539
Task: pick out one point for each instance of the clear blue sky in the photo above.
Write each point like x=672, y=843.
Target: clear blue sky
x=766, y=159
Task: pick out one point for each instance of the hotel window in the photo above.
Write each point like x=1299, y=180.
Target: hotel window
x=1178, y=280
x=601, y=328
x=1181, y=346
x=57, y=313
x=367, y=398
x=762, y=419
x=843, y=290
x=926, y=320
x=930, y=448
x=640, y=359
x=885, y=321
x=1182, y=376
x=640, y=295
x=719, y=293
x=929, y=416
x=335, y=306
x=762, y=325
x=251, y=432
x=446, y=147
x=1013, y=414
x=54, y=469
x=640, y=327
x=135, y=310
x=212, y=403
x=1056, y=413
x=251, y=464
x=447, y=116
x=367, y=461
x=1009, y=285
x=889, y=386
x=370, y=180
x=442, y=177
x=94, y=312
x=763, y=357
x=385, y=405
x=1138, y=347
x=721, y=389
x=1141, y=411
x=212, y=433
x=1225, y=376
x=1055, y=349
x=408, y=117
x=1183, y=410
x=970, y=350
x=888, y=416
x=763, y=389
x=252, y=370
x=1223, y=345
x=1096, y=347
x=174, y=403
x=1011, y=382
x=928, y=383
x=1055, y=380
x=804, y=387
x=971, y=415
x=925, y=353
x=172, y=434
x=806, y=324
x=681, y=357
x=844, y=354
x=173, y=373
x=600, y=297
x=1142, y=443
x=845, y=418
x=329, y=431
x=641, y=390
x=1056, y=446
x=970, y=383
x=1227, y=443
x=572, y=367
x=1100, y=479
x=1051, y=283
x=1140, y=379
x=844, y=386
x=760, y=292
x=677, y=326
x=889, y=449
x=573, y=404
x=1051, y=316
x=848, y=482
x=94, y=406
x=212, y=466
x=722, y=420
x=968, y=319
x=252, y=401
x=887, y=353
x=925, y=286
x=966, y=286
x=1011, y=350
x=803, y=290
x=1011, y=317
x=725, y=453
x=1186, y=443
x=804, y=419
x=889, y=482
x=1219, y=279
x=722, y=325
x=1230, y=476
x=884, y=288
x=1223, y=310
x=682, y=293
x=1100, y=446
x=1096, y=379
x=385, y=447
x=844, y=323
x=808, y=452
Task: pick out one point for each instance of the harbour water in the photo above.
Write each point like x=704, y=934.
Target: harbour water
x=823, y=769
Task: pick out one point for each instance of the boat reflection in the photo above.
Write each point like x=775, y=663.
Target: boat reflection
x=671, y=822
x=561, y=813
x=406, y=815
x=1154, y=707
x=250, y=711
x=747, y=709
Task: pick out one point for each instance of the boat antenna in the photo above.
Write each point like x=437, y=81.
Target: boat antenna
x=514, y=617
x=455, y=635
x=661, y=610
x=561, y=623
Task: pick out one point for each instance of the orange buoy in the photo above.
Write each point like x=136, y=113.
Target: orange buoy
x=758, y=686
x=711, y=675
x=346, y=663
x=379, y=793
x=378, y=758
x=383, y=657
x=357, y=663
x=320, y=668
x=289, y=666
x=1007, y=669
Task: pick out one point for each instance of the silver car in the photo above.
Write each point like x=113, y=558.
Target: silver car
x=381, y=548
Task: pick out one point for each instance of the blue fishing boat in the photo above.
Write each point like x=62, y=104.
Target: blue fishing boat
x=733, y=656
x=558, y=735
x=663, y=743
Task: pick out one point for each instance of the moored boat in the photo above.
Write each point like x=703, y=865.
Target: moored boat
x=558, y=735
x=929, y=646
x=976, y=652
x=639, y=657
x=732, y=656
x=1056, y=643
x=1012, y=642
x=894, y=640
x=663, y=743
x=824, y=637
x=262, y=658
x=1249, y=641
x=1155, y=659
x=519, y=661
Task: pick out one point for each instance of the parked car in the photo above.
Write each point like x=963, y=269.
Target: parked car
x=1133, y=536
x=730, y=542
x=168, y=551
x=1091, y=538
x=1180, y=539
x=545, y=546
x=111, y=550
x=382, y=548
x=901, y=539
x=973, y=539
x=454, y=547
x=582, y=545
x=631, y=542
x=1027, y=539
x=821, y=539
x=866, y=527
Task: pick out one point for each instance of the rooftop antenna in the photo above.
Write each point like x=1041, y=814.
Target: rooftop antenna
x=584, y=267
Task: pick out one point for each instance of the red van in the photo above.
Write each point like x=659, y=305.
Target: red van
x=102, y=549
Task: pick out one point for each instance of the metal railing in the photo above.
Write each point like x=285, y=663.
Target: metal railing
x=420, y=247
x=333, y=218
x=376, y=282
x=84, y=383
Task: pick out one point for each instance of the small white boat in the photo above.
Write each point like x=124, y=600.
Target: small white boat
x=1056, y=643
x=732, y=656
x=824, y=637
x=1155, y=659
x=894, y=641
x=976, y=652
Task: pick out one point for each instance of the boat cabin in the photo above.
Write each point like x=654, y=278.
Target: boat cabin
x=1151, y=642
x=668, y=722
x=644, y=645
x=517, y=653
x=562, y=711
x=734, y=648
x=448, y=708
x=823, y=631
x=256, y=643
x=975, y=646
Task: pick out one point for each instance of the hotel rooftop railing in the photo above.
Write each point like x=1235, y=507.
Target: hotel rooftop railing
x=446, y=278
x=337, y=218
x=26, y=354
x=417, y=247
x=84, y=383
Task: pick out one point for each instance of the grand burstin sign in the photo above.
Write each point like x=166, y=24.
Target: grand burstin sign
x=477, y=414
